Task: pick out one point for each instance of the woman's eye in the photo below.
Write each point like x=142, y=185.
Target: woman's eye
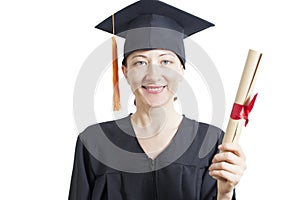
x=140, y=63
x=166, y=62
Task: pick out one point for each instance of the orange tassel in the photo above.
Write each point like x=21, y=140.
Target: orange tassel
x=116, y=91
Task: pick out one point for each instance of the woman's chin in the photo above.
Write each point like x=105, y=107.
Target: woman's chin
x=156, y=103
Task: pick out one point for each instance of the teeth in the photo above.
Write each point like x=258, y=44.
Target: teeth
x=154, y=89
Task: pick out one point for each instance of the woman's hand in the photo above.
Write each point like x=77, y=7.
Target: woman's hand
x=228, y=167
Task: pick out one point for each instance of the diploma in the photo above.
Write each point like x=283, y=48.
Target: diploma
x=243, y=103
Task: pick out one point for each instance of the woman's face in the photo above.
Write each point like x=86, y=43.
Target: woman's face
x=153, y=76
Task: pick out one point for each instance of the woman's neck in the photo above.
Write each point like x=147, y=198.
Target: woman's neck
x=150, y=121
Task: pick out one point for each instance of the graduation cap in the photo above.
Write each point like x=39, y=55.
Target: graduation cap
x=150, y=24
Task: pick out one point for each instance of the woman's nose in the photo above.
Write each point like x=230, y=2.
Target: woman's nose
x=154, y=71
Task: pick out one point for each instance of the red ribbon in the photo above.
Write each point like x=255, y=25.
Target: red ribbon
x=241, y=111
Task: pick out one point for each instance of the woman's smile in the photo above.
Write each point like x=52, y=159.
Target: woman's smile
x=154, y=89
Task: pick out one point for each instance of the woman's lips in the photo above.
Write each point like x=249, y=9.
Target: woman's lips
x=154, y=89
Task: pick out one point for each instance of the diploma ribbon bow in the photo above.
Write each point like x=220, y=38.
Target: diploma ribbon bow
x=242, y=111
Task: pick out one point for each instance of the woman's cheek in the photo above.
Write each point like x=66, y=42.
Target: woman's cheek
x=135, y=78
x=173, y=78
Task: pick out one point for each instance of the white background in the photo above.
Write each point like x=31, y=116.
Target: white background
x=43, y=45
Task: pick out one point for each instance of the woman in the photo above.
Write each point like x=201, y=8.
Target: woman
x=154, y=153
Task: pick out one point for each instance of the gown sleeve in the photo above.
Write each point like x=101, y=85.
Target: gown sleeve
x=82, y=175
x=209, y=188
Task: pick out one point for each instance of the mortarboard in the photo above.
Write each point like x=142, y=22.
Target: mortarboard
x=150, y=24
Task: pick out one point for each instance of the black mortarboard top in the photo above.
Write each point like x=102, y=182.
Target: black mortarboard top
x=152, y=24
x=158, y=15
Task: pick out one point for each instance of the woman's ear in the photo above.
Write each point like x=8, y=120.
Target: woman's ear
x=124, y=70
x=182, y=69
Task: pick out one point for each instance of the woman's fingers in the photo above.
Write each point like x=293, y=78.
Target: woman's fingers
x=228, y=167
x=234, y=148
x=229, y=164
x=231, y=178
x=231, y=153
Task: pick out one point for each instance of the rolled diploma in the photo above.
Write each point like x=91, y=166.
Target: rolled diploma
x=243, y=96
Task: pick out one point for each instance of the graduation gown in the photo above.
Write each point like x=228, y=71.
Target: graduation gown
x=110, y=164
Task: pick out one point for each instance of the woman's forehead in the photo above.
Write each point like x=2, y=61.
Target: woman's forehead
x=152, y=52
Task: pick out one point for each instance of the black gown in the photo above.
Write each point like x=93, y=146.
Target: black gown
x=110, y=164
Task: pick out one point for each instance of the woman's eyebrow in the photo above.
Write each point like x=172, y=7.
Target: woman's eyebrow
x=136, y=56
x=165, y=54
